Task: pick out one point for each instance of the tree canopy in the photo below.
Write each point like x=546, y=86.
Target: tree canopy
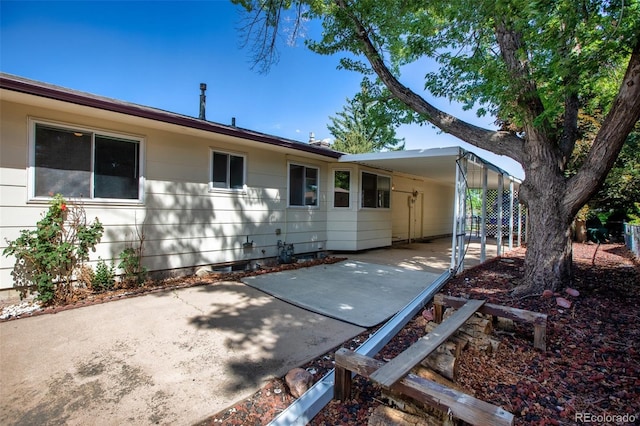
x=534, y=65
x=366, y=123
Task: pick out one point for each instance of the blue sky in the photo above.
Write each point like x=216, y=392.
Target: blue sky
x=156, y=53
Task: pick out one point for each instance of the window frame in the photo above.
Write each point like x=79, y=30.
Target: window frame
x=305, y=167
x=94, y=131
x=378, y=176
x=349, y=206
x=229, y=154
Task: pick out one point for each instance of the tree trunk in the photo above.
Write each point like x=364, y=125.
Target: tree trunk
x=548, y=260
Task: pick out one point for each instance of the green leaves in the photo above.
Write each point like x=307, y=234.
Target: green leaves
x=48, y=256
x=367, y=123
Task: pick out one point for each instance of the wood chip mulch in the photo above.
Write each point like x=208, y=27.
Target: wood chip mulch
x=590, y=371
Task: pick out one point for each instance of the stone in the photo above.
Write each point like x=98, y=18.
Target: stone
x=572, y=292
x=203, y=271
x=547, y=293
x=299, y=381
x=562, y=302
x=428, y=314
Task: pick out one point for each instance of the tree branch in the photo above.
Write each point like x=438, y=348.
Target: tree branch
x=498, y=142
x=622, y=117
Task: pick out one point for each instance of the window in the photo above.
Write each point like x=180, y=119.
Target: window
x=376, y=190
x=303, y=185
x=84, y=164
x=341, y=185
x=227, y=170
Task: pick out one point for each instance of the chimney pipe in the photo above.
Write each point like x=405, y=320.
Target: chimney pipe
x=203, y=101
x=233, y=121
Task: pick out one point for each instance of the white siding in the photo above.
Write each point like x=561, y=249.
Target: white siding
x=184, y=224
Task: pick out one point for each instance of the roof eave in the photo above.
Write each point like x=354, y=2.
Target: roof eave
x=30, y=87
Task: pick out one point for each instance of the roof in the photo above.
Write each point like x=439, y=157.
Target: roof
x=437, y=164
x=50, y=91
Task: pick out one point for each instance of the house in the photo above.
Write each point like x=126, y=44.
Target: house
x=204, y=193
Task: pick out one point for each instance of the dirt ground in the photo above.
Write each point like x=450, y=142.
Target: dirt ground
x=590, y=369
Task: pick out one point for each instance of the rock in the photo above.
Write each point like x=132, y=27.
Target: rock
x=562, y=302
x=547, y=294
x=572, y=292
x=428, y=314
x=203, y=271
x=299, y=381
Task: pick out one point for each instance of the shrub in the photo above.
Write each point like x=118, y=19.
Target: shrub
x=48, y=256
x=133, y=273
x=104, y=277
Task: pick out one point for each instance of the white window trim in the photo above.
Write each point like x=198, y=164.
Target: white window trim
x=212, y=188
x=361, y=192
x=306, y=166
x=333, y=189
x=31, y=165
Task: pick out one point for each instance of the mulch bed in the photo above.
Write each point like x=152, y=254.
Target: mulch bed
x=590, y=370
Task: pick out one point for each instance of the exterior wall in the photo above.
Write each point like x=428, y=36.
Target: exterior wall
x=421, y=208
x=184, y=224
x=356, y=228
x=342, y=222
x=438, y=209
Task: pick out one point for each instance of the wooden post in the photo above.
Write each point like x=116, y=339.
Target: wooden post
x=437, y=312
x=342, y=386
x=540, y=336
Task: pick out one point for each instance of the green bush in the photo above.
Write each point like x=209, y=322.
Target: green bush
x=104, y=276
x=133, y=273
x=47, y=257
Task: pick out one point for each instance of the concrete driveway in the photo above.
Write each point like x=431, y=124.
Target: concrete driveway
x=170, y=358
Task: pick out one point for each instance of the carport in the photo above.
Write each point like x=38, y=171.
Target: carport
x=485, y=196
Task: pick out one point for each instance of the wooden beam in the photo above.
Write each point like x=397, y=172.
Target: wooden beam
x=538, y=320
x=461, y=405
x=342, y=385
x=403, y=363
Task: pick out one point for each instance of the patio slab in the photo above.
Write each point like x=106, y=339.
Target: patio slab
x=166, y=358
x=360, y=293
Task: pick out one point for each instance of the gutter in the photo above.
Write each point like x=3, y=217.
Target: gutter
x=305, y=408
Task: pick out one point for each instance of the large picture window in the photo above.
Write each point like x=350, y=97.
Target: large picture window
x=376, y=190
x=341, y=185
x=78, y=163
x=227, y=170
x=303, y=185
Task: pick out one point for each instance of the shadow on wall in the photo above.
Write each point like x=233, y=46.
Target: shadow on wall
x=185, y=227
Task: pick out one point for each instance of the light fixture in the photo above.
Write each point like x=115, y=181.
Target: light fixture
x=78, y=134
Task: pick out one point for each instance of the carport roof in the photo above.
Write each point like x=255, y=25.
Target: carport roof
x=437, y=164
